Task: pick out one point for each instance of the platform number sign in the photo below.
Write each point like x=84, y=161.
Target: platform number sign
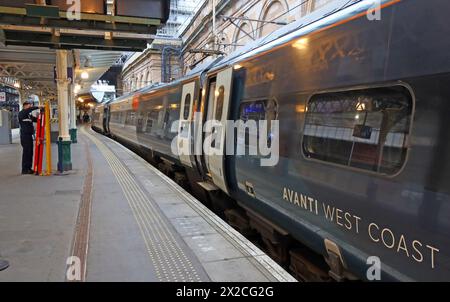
x=2, y=96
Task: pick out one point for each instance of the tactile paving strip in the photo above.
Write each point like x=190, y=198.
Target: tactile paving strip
x=264, y=263
x=168, y=258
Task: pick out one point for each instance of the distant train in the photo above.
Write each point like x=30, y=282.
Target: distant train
x=363, y=177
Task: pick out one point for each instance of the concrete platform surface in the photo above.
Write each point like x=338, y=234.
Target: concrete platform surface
x=124, y=219
x=37, y=217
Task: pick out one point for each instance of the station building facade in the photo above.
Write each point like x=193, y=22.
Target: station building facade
x=237, y=22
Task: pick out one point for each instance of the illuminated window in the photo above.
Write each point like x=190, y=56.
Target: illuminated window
x=263, y=110
x=219, y=103
x=187, y=107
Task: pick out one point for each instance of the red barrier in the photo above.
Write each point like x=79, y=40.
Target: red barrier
x=39, y=149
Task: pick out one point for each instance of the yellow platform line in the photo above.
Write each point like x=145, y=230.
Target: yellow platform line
x=170, y=261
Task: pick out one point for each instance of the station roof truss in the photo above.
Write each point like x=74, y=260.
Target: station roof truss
x=33, y=68
x=41, y=26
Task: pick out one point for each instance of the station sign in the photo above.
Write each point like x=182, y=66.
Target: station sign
x=2, y=96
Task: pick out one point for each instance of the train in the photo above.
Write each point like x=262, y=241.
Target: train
x=359, y=107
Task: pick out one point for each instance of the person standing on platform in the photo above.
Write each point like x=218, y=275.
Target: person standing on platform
x=26, y=121
x=86, y=118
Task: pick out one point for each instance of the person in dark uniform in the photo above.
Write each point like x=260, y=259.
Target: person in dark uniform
x=26, y=121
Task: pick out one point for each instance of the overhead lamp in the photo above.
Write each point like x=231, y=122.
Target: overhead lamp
x=17, y=85
x=85, y=75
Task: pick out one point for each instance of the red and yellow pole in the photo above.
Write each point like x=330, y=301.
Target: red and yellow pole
x=48, y=139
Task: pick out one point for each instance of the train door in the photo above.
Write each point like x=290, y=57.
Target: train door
x=218, y=109
x=184, y=127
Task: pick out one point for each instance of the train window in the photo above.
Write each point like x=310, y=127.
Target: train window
x=219, y=103
x=130, y=118
x=366, y=129
x=258, y=111
x=187, y=107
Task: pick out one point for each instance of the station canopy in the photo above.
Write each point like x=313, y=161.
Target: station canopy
x=124, y=25
x=32, y=30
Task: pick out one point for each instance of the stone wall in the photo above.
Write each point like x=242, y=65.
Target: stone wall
x=237, y=22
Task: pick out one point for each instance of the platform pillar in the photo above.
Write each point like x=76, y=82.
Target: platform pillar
x=73, y=107
x=73, y=116
x=64, y=142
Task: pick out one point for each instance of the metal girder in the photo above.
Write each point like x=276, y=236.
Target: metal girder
x=88, y=21
x=2, y=38
x=86, y=25
x=92, y=31
x=27, y=71
x=72, y=42
x=27, y=56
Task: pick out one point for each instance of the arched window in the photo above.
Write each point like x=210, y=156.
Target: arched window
x=141, y=81
x=320, y=3
x=148, y=78
x=273, y=11
x=243, y=35
x=312, y=5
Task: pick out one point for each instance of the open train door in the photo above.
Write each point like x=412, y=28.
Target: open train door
x=219, y=101
x=184, y=126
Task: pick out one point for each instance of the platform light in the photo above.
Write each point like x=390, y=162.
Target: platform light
x=300, y=108
x=173, y=106
x=360, y=106
x=85, y=75
x=17, y=85
x=301, y=43
x=237, y=67
x=77, y=88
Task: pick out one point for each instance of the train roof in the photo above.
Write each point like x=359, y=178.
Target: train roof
x=321, y=18
x=328, y=15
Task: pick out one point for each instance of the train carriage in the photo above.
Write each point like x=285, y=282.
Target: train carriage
x=362, y=107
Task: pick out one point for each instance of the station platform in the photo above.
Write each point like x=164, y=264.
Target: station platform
x=121, y=218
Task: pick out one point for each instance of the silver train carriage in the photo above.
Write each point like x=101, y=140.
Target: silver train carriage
x=363, y=174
